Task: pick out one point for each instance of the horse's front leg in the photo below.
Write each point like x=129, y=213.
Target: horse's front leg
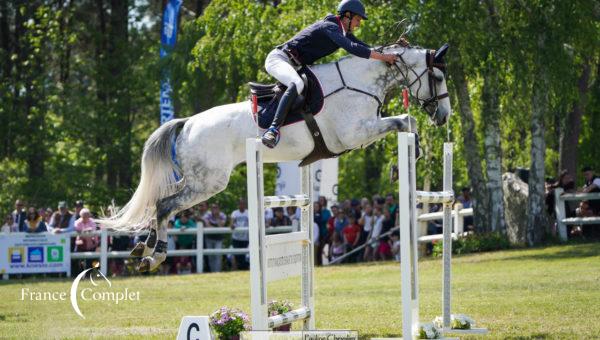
x=368, y=131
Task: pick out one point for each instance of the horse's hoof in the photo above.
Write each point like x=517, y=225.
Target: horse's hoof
x=138, y=250
x=144, y=265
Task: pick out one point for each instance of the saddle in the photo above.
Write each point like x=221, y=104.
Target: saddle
x=265, y=99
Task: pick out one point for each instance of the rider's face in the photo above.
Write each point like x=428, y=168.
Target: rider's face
x=355, y=23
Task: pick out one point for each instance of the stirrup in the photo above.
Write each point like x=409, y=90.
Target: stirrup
x=271, y=137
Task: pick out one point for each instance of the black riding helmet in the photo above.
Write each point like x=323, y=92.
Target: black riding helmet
x=353, y=6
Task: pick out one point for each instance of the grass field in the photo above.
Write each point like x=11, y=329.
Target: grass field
x=544, y=293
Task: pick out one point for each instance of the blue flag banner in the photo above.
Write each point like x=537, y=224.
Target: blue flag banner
x=168, y=39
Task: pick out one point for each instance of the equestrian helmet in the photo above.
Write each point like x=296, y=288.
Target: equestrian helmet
x=353, y=6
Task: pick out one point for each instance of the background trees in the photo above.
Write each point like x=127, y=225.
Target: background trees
x=79, y=90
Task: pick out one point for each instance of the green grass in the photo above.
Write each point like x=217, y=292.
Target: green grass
x=543, y=293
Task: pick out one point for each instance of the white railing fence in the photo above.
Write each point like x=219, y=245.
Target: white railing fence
x=560, y=199
x=104, y=254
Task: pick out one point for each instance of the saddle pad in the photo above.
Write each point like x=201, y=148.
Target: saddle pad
x=313, y=102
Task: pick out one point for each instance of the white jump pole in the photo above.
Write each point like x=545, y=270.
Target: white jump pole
x=407, y=207
x=275, y=257
x=447, y=226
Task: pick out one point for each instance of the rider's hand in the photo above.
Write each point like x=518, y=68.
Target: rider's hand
x=390, y=58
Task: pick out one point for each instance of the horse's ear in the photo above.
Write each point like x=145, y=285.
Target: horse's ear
x=439, y=54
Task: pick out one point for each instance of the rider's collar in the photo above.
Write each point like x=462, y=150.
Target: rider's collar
x=339, y=20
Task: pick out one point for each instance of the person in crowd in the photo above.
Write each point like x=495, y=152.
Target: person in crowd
x=184, y=222
x=78, y=207
x=294, y=214
x=63, y=220
x=395, y=241
x=373, y=242
x=322, y=233
x=83, y=225
x=239, y=238
x=280, y=219
x=363, y=203
x=268, y=217
x=19, y=216
x=341, y=221
x=337, y=246
x=366, y=222
x=8, y=224
x=351, y=234
x=183, y=265
x=592, y=184
x=215, y=219
x=325, y=213
x=331, y=222
x=392, y=206
x=355, y=209
x=384, y=252
x=120, y=243
x=467, y=202
x=567, y=183
x=34, y=223
x=48, y=215
x=200, y=211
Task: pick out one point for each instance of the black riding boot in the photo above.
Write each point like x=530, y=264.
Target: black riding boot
x=271, y=136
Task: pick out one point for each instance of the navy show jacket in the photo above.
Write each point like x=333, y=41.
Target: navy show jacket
x=322, y=39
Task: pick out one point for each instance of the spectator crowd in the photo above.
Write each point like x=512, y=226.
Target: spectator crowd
x=351, y=231
x=584, y=208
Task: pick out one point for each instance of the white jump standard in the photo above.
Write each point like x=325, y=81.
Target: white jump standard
x=277, y=257
x=407, y=207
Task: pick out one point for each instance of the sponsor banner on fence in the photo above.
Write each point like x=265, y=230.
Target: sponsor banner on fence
x=22, y=253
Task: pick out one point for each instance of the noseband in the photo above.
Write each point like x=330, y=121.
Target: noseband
x=433, y=95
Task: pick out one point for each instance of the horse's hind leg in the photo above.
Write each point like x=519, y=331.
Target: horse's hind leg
x=142, y=249
x=168, y=206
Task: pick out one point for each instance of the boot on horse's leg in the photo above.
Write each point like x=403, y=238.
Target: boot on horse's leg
x=142, y=249
x=271, y=137
x=150, y=263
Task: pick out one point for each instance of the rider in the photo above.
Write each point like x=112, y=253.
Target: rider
x=314, y=42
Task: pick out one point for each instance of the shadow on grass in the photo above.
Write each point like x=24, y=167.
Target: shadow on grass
x=580, y=250
x=538, y=336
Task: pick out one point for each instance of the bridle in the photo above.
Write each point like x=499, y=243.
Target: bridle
x=425, y=103
x=434, y=98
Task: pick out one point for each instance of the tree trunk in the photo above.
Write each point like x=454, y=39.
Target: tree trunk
x=535, y=208
x=471, y=147
x=569, y=137
x=491, y=118
x=493, y=150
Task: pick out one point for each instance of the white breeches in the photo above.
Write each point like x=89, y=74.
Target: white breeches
x=279, y=66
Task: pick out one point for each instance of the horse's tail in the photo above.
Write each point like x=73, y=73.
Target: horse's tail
x=157, y=181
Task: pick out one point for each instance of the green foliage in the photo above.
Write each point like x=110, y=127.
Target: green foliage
x=474, y=243
x=79, y=100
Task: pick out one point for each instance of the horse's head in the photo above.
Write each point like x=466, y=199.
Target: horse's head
x=424, y=73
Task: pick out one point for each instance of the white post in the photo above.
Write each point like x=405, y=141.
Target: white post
x=408, y=234
x=459, y=220
x=4, y=276
x=200, y=247
x=560, y=211
x=306, y=224
x=256, y=211
x=104, y=251
x=447, y=229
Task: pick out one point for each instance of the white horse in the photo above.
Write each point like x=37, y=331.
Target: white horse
x=211, y=143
